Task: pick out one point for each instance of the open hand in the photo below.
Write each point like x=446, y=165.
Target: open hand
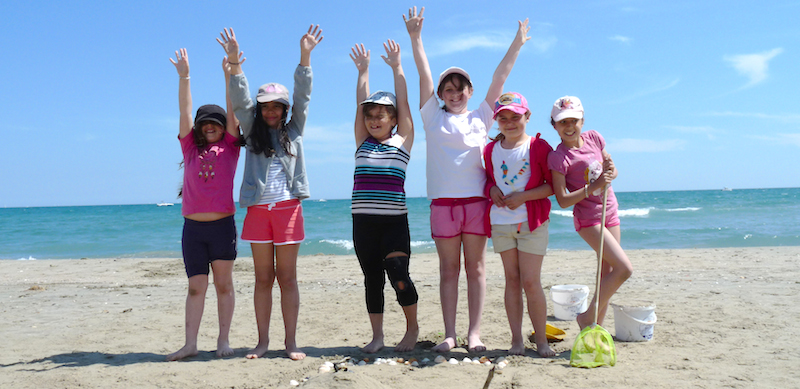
x=310, y=39
x=360, y=57
x=522, y=32
x=414, y=21
x=392, y=57
x=182, y=63
x=229, y=43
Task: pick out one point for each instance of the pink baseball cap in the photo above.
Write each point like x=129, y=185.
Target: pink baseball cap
x=567, y=107
x=510, y=101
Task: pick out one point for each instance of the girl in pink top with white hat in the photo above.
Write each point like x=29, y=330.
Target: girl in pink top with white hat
x=581, y=168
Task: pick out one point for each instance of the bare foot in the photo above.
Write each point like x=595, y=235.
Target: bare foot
x=374, y=346
x=408, y=342
x=475, y=345
x=224, y=350
x=447, y=345
x=544, y=350
x=186, y=351
x=259, y=351
x=585, y=319
x=295, y=353
x=517, y=348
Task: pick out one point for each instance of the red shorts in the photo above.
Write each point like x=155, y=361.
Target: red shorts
x=453, y=217
x=279, y=223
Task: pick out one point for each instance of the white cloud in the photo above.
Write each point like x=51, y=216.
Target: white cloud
x=779, y=139
x=654, y=89
x=753, y=66
x=645, y=145
x=708, y=131
x=793, y=117
x=486, y=40
x=790, y=138
x=622, y=39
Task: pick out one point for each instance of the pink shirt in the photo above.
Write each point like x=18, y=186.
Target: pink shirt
x=208, y=175
x=583, y=166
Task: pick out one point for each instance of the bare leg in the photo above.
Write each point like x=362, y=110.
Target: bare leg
x=409, y=341
x=376, y=321
x=530, y=269
x=286, y=272
x=226, y=301
x=513, y=300
x=262, y=296
x=195, y=302
x=620, y=265
x=449, y=251
x=475, y=267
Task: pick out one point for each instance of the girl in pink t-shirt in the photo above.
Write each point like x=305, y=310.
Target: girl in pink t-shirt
x=581, y=168
x=210, y=148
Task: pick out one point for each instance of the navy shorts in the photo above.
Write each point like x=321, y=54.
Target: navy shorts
x=204, y=242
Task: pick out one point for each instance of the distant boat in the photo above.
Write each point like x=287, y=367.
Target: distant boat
x=163, y=204
x=726, y=189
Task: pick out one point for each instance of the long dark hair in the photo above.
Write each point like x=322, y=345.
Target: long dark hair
x=260, y=141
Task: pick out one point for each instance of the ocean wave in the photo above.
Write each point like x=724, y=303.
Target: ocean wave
x=561, y=213
x=30, y=258
x=341, y=243
x=687, y=209
x=634, y=212
x=422, y=243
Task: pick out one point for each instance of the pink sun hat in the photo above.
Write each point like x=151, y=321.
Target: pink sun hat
x=510, y=101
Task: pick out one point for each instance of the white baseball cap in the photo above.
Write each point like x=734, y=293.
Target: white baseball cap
x=567, y=107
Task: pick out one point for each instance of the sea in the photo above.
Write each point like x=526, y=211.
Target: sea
x=650, y=220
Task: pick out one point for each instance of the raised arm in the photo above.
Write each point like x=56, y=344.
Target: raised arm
x=232, y=126
x=505, y=66
x=414, y=27
x=181, y=63
x=360, y=57
x=405, y=125
x=308, y=42
x=229, y=43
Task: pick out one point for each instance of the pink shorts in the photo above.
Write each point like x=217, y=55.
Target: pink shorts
x=612, y=220
x=279, y=223
x=453, y=217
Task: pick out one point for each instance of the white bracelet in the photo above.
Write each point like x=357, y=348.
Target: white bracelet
x=586, y=190
x=185, y=78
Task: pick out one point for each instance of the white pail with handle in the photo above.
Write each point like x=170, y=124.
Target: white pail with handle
x=634, y=323
x=569, y=300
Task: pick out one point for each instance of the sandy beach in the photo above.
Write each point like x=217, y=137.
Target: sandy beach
x=726, y=318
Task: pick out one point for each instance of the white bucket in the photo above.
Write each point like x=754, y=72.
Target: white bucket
x=634, y=323
x=569, y=300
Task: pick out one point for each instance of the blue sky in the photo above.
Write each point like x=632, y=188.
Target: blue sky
x=689, y=95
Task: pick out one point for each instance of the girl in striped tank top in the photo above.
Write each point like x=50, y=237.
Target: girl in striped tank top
x=380, y=217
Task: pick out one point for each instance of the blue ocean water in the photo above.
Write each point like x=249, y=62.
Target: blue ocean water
x=650, y=220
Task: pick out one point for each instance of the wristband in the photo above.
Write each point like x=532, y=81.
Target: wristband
x=586, y=190
x=185, y=78
x=234, y=63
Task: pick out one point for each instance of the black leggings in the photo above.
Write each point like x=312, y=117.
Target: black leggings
x=375, y=237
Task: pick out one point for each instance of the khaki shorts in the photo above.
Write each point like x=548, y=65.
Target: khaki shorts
x=517, y=236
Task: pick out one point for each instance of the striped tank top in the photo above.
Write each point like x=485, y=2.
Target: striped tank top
x=379, y=178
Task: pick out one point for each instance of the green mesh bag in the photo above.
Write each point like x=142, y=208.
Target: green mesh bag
x=593, y=347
